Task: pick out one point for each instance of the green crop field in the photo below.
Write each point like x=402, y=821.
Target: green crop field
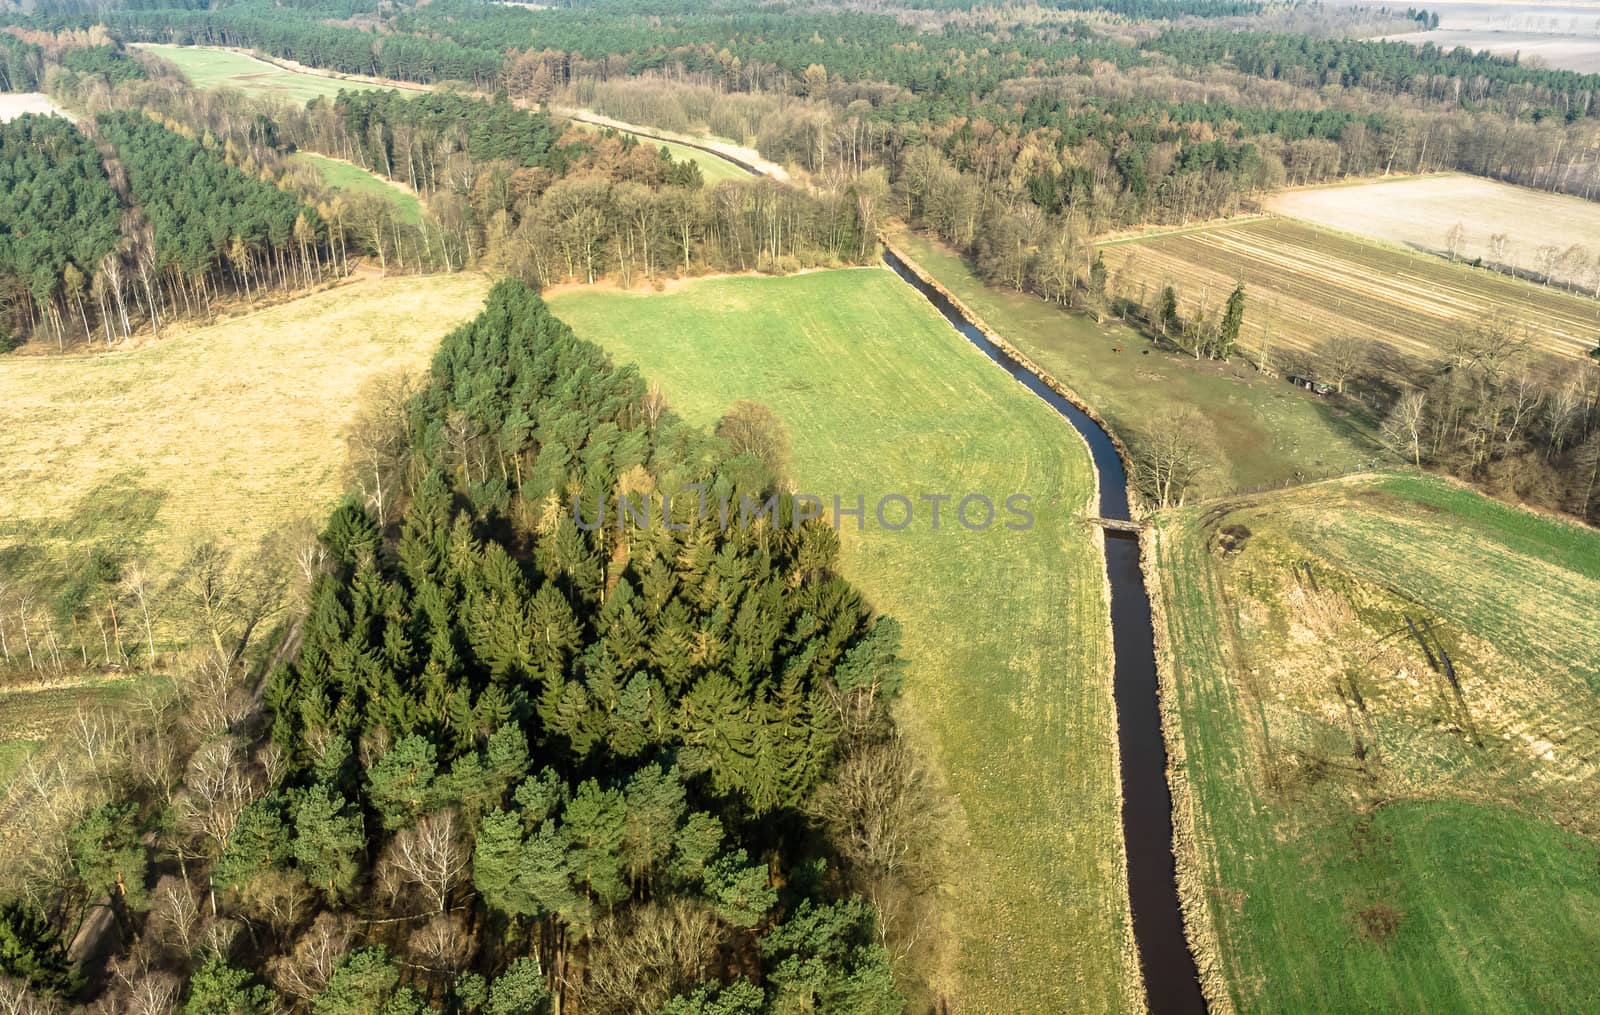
x=353, y=179
x=1388, y=695
x=220, y=68
x=1257, y=430
x=1006, y=631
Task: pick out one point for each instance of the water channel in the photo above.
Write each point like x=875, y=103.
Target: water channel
x=1172, y=983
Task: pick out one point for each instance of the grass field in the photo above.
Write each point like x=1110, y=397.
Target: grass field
x=223, y=433
x=713, y=169
x=1372, y=834
x=1261, y=431
x=353, y=179
x=220, y=68
x=1418, y=211
x=1006, y=631
x=1308, y=285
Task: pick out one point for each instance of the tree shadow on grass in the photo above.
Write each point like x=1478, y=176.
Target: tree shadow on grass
x=113, y=521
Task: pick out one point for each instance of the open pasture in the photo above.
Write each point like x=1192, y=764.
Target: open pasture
x=1006, y=631
x=1553, y=237
x=1385, y=692
x=222, y=433
x=1306, y=285
x=222, y=68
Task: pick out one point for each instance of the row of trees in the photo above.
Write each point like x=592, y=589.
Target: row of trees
x=210, y=226
x=1492, y=414
x=515, y=765
x=1457, y=75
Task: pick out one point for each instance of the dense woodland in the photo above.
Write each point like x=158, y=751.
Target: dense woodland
x=523, y=759
x=59, y=217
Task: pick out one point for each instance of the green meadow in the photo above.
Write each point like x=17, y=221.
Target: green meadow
x=1388, y=692
x=219, y=68
x=1006, y=631
x=343, y=176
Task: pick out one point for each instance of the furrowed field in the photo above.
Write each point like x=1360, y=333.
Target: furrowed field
x=1555, y=236
x=1256, y=430
x=220, y=68
x=1006, y=631
x=1386, y=693
x=1308, y=285
x=223, y=434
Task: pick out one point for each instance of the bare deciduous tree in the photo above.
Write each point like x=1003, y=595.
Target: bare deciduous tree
x=216, y=787
x=307, y=968
x=18, y=998
x=753, y=428
x=1171, y=456
x=215, y=697
x=1342, y=358
x=175, y=915
x=1404, y=430
x=654, y=404
x=379, y=440
x=640, y=960
x=432, y=855
x=442, y=944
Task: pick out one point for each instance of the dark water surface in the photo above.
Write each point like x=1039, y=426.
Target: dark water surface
x=1172, y=983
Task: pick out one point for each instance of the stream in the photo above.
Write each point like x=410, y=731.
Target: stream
x=1171, y=980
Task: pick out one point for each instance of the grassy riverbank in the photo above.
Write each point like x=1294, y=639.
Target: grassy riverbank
x=1375, y=828
x=1006, y=631
x=1255, y=430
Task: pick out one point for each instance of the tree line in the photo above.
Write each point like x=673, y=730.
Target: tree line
x=515, y=763
x=59, y=221
x=1492, y=414
x=1458, y=76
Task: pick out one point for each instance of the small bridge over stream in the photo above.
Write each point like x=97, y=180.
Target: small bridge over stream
x=1117, y=524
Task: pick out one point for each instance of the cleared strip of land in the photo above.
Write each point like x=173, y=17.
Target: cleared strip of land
x=1384, y=695
x=208, y=67
x=1307, y=285
x=15, y=104
x=1552, y=236
x=1006, y=631
x=713, y=168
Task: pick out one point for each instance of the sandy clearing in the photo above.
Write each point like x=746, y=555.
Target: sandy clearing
x=15, y=104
